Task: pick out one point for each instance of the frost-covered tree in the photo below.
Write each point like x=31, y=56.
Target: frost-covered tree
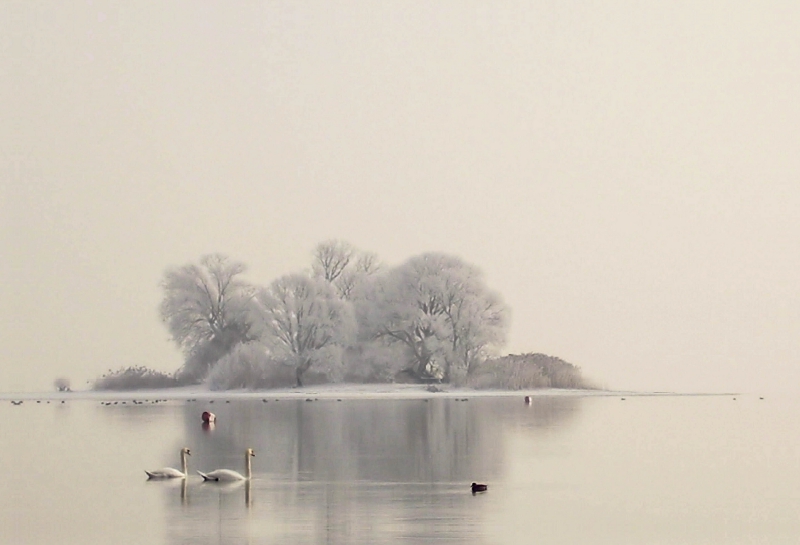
x=305, y=324
x=331, y=258
x=343, y=266
x=440, y=309
x=365, y=265
x=207, y=308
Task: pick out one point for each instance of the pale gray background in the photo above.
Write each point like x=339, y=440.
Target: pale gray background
x=625, y=172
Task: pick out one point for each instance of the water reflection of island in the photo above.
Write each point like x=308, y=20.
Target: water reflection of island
x=358, y=470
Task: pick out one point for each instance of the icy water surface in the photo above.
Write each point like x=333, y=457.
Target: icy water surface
x=677, y=469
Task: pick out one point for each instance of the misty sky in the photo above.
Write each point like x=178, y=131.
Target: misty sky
x=626, y=173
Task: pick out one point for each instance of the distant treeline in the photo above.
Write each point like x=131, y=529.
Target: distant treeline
x=347, y=319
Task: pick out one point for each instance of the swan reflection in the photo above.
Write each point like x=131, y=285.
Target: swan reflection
x=183, y=484
x=352, y=468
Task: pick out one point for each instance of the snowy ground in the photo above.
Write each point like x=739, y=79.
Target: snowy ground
x=338, y=391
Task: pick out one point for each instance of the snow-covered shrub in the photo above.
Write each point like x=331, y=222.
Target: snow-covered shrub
x=517, y=372
x=134, y=378
x=373, y=362
x=250, y=366
x=327, y=361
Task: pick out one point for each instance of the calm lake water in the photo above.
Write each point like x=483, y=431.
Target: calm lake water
x=676, y=469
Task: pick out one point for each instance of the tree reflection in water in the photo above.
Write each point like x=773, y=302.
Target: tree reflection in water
x=357, y=471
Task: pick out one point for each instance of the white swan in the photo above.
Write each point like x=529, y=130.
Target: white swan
x=227, y=475
x=171, y=472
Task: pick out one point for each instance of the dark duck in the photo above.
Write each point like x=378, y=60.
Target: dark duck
x=479, y=488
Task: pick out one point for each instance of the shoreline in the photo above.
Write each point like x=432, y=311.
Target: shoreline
x=331, y=391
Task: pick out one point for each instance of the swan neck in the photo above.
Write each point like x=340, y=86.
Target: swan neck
x=247, y=463
x=184, y=465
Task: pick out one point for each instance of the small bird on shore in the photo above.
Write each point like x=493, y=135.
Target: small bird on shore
x=479, y=488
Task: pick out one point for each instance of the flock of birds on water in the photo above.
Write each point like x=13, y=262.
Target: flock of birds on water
x=157, y=401
x=228, y=475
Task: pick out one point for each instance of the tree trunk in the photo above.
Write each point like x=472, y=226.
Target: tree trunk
x=423, y=359
x=301, y=369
